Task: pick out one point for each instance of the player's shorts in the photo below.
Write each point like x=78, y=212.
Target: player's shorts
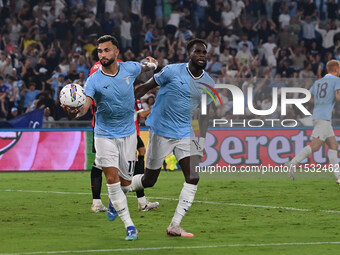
x=140, y=143
x=322, y=129
x=159, y=147
x=117, y=152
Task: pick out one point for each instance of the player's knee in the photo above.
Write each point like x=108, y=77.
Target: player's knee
x=141, y=151
x=112, y=179
x=315, y=147
x=148, y=182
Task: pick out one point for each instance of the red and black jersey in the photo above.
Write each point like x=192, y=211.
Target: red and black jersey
x=138, y=107
x=94, y=69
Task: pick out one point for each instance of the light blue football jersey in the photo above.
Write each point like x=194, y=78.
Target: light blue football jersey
x=324, y=96
x=178, y=97
x=115, y=100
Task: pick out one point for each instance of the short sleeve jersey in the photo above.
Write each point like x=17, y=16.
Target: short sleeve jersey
x=114, y=97
x=178, y=97
x=324, y=91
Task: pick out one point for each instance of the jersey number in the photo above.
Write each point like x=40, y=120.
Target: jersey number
x=322, y=90
x=131, y=167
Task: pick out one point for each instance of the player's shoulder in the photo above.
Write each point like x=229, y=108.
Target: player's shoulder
x=130, y=65
x=328, y=79
x=175, y=67
x=208, y=78
x=95, y=75
x=93, y=78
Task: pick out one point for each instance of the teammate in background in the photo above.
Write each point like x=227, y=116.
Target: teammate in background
x=325, y=92
x=143, y=204
x=96, y=171
x=114, y=131
x=181, y=87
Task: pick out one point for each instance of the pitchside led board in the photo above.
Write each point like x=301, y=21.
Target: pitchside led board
x=71, y=150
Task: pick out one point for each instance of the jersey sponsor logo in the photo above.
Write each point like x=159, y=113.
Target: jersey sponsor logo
x=127, y=80
x=105, y=87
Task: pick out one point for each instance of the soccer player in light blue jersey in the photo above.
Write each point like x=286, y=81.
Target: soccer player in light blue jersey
x=115, y=132
x=325, y=92
x=180, y=89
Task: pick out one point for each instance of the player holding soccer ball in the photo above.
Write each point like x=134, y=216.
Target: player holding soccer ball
x=325, y=91
x=114, y=132
x=96, y=172
x=181, y=87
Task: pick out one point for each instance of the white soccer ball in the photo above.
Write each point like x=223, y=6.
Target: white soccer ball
x=72, y=95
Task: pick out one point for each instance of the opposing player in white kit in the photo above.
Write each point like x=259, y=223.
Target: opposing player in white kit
x=325, y=91
x=181, y=87
x=115, y=131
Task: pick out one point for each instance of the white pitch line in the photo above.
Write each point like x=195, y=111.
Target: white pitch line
x=176, y=199
x=172, y=248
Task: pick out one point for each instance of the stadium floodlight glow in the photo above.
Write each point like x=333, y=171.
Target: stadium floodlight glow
x=238, y=100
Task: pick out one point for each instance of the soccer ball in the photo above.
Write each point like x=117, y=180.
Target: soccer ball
x=72, y=95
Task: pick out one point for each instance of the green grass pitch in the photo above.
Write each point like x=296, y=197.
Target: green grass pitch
x=49, y=213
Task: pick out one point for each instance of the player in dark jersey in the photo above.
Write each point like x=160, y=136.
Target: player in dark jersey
x=143, y=203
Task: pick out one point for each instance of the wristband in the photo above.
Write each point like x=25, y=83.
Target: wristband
x=151, y=65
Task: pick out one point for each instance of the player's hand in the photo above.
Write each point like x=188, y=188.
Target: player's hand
x=72, y=112
x=152, y=60
x=150, y=64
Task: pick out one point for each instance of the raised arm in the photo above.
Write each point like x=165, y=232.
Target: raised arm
x=149, y=65
x=337, y=95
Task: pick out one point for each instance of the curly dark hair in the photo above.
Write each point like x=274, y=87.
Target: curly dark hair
x=191, y=43
x=107, y=38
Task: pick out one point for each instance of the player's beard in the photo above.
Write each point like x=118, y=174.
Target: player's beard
x=108, y=63
x=198, y=66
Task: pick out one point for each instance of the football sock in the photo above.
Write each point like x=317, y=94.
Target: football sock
x=139, y=169
x=96, y=181
x=97, y=201
x=136, y=183
x=306, y=151
x=125, y=189
x=142, y=200
x=186, y=198
x=333, y=159
x=119, y=203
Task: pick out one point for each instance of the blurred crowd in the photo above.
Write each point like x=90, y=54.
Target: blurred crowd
x=261, y=44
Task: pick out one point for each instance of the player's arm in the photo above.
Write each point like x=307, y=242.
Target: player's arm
x=337, y=95
x=144, y=114
x=76, y=113
x=149, y=65
x=204, y=123
x=145, y=87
